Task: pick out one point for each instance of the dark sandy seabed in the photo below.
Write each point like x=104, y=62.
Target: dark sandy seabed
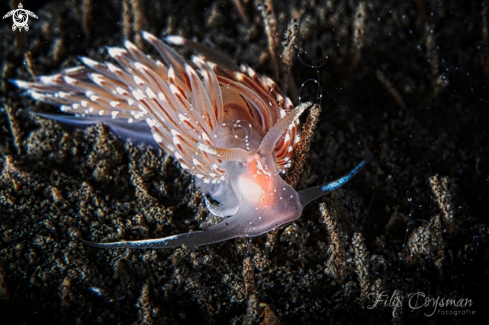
x=395, y=83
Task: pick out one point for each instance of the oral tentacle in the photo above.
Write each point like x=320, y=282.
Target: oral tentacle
x=310, y=194
x=227, y=229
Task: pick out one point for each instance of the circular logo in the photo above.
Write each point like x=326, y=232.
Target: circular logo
x=20, y=17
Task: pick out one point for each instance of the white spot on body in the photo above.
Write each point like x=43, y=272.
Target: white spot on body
x=252, y=189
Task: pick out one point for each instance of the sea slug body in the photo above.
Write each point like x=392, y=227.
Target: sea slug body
x=232, y=129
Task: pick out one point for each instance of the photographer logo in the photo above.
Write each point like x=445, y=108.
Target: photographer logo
x=20, y=17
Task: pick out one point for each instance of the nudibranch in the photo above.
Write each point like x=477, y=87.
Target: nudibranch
x=232, y=129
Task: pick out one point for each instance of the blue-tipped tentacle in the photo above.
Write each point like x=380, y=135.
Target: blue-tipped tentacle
x=310, y=194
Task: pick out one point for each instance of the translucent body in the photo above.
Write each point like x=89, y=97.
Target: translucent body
x=234, y=131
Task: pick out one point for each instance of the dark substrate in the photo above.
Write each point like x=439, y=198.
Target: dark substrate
x=395, y=83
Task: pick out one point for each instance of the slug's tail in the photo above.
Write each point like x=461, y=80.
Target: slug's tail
x=227, y=229
x=310, y=194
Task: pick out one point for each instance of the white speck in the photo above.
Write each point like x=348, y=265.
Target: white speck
x=96, y=290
